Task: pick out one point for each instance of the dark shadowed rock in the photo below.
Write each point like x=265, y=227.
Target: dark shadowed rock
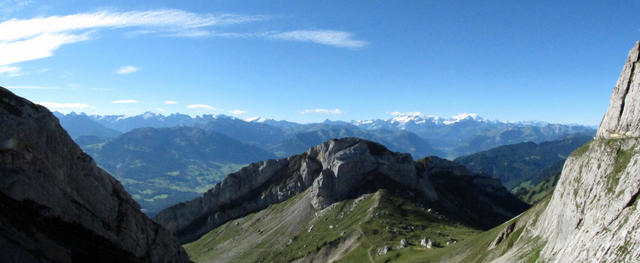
x=58, y=206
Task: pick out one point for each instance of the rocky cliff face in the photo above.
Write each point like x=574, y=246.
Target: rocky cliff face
x=593, y=215
x=623, y=116
x=58, y=206
x=339, y=169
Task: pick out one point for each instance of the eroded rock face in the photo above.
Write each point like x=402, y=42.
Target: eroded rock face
x=57, y=205
x=623, y=116
x=334, y=171
x=593, y=215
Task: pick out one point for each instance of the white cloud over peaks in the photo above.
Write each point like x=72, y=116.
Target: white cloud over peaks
x=170, y=102
x=126, y=70
x=237, y=112
x=62, y=106
x=29, y=39
x=322, y=111
x=325, y=37
x=124, y=101
x=201, y=106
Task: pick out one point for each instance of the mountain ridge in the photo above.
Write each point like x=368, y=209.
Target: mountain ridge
x=336, y=170
x=449, y=137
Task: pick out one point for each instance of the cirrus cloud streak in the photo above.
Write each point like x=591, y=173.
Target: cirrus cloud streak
x=201, y=107
x=124, y=101
x=35, y=38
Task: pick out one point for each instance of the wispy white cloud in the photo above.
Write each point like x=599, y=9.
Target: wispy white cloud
x=124, y=101
x=170, y=102
x=324, y=37
x=29, y=39
x=322, y=111
x=237, y=112
x=127, y=70
x=36, y=38
x=30, y=87
x=201, y=106
x=411, y=113
x=40, y=46
x=10, y=71
x=57, y=105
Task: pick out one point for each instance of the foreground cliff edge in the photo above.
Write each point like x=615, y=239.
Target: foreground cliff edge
x=58, y=206
x=593, y=214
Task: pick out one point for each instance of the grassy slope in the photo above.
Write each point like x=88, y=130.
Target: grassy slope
x=532, y=194
x=478, y=248
x=348, y=231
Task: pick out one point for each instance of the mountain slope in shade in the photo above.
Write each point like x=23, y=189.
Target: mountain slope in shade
x=78, y=125
x=342, y=169
x=161, y=167
x=518, y=163
x=58, y=206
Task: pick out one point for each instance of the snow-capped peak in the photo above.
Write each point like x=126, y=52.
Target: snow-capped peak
x=256, y=119
x=149, y=115
x=403, y=118
x=461, y=117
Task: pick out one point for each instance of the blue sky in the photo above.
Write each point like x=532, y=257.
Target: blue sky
x=308, y=61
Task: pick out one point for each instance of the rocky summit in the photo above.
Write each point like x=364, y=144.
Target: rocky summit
x=342, y=169
x=58, y=206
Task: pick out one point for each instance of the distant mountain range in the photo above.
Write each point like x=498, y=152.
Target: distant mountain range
x=429, y=135
x=163, y=160
x=468, y=133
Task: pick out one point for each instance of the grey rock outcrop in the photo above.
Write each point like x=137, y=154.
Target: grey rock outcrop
x=58, y=206
x=426, y=242
x=334, y=171
x=383, y=250
x=403, y=243
x=623, y=116
x=593, y=214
